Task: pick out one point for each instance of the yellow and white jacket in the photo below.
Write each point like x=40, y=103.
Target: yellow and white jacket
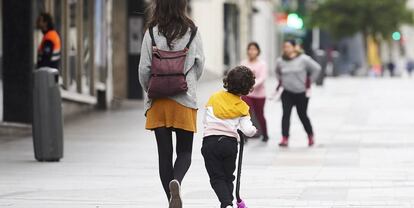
x=226, y=113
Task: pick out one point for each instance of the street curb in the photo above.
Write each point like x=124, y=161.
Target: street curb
x=15, y=129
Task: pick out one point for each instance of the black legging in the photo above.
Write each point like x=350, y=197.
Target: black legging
x=290, y=99
x=184, y=148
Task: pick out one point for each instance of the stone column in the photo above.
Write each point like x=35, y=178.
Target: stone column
x=18, y=60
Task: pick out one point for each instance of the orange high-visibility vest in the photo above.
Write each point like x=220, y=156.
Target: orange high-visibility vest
x=53, y=37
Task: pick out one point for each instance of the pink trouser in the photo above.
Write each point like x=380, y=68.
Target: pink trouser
x=257, y=106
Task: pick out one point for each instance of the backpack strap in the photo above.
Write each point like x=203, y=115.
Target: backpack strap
x=151, y=32
x=193, y=34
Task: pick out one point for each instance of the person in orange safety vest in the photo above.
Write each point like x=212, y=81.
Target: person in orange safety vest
x=49, y=50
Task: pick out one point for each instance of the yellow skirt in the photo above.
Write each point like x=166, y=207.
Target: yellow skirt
x=170, y=114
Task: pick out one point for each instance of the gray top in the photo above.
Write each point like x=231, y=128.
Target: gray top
x=293, y=72
x=194, y=62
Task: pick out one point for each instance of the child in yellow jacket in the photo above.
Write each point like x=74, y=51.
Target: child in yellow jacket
x=225, y=113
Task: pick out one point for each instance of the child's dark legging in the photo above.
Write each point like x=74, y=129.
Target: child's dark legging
x=290, y=99
x=220, y=153
x=184, y=148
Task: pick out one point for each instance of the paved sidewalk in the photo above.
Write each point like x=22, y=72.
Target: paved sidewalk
x=364, y=157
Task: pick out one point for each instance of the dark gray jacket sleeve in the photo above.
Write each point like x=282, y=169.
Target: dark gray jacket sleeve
x=313, y=68
x=278, y=69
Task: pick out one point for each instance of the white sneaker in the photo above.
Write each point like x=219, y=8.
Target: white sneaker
x=229, y=207
x=175, y=201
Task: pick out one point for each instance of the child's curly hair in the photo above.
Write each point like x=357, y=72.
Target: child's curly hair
x=239, y=81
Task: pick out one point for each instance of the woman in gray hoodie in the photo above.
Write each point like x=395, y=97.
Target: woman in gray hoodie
x=296, y=72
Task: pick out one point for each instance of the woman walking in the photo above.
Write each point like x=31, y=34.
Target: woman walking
x=171, y=31
x=296, y=72
x=256, y=99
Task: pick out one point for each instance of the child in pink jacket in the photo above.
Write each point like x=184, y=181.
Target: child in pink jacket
x=257, y=98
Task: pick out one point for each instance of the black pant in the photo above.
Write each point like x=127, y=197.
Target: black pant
x=184, y=148
x=220, y=153
x=290, y=99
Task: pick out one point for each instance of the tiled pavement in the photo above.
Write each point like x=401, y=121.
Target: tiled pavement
x=364, y=157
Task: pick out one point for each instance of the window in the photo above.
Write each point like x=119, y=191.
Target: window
x=82, y=25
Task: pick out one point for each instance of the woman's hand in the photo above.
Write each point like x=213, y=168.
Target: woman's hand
x=276, y=95
x=308, y=93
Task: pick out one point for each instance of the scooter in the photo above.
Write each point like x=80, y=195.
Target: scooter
x=240, y=202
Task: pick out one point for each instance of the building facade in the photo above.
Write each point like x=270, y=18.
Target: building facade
x=408, y=35
x=226, y=28
x=101, y=42
x=265, y=30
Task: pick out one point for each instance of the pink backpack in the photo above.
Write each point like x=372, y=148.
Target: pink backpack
x=167, y=70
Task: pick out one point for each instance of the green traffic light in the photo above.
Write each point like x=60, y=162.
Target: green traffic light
x=396, y=36
x=294, y=21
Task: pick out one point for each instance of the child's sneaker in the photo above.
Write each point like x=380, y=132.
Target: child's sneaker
x=241, y=204
x=311, y=141
x=175, y=201
x=284, y=142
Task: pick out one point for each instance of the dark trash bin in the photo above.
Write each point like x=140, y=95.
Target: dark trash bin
x=47, y=118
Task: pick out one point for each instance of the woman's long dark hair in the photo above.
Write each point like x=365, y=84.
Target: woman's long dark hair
x=171, y=18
